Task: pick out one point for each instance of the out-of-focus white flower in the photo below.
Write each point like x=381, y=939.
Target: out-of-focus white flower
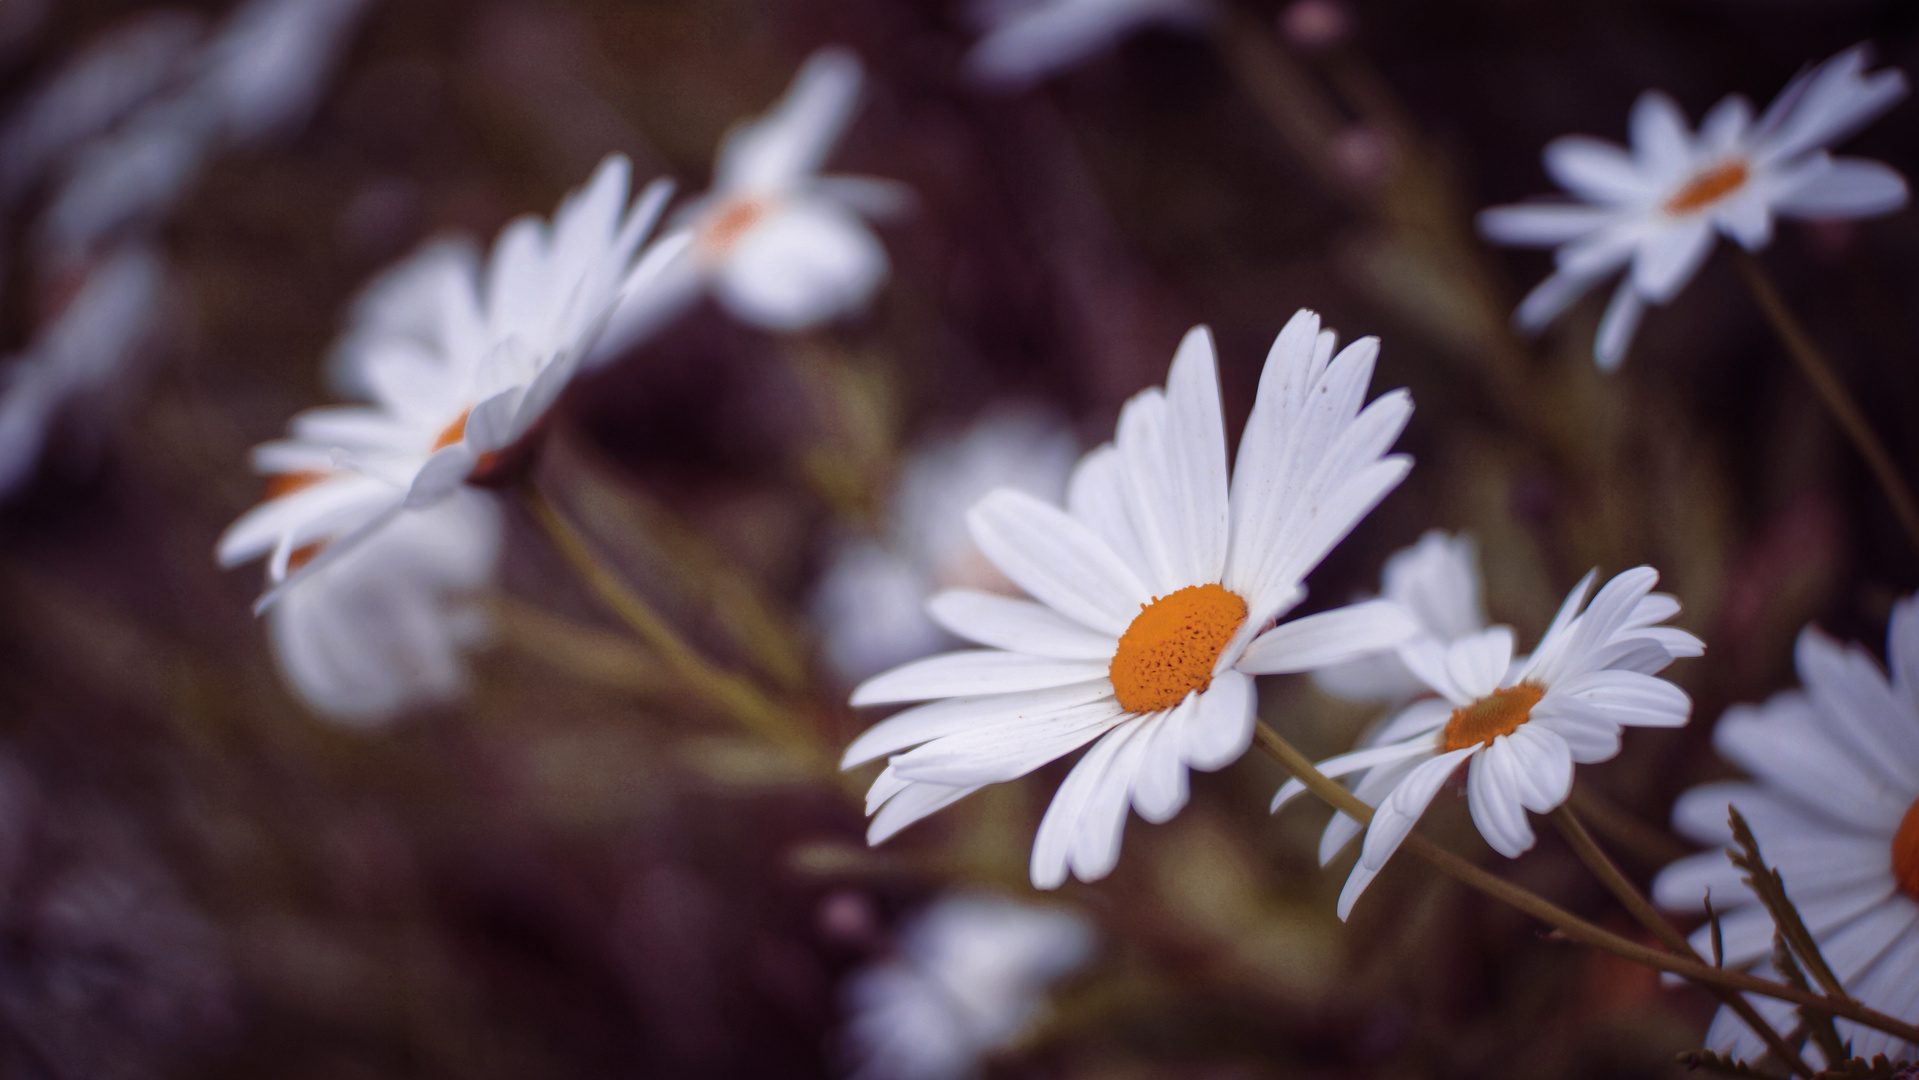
x=382, y=628
x=89, y=346
x=457, y=386
x=1659, y=207
x=1437, y=582
x=1158, y=588
x=1834, y=804
x=265, y=70
x=1521, y=724
x=871, y=602
x=970, y=976
x=780, y=246
x=1027, y=40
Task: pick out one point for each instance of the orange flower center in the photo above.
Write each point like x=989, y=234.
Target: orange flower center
x=1905, y=853
x=730, y=222
x=1170, y=649
x=280, y=484
x=453, y=432
x=1498, y=713
x=1709, y=187
x=304, y=555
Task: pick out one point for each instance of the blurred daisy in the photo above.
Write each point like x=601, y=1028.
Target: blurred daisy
x=1658, y=208
x=1027, y=40
x=1437, y=582
x=382, y=628
x=1834, y=805
x=1520, y=724
x=1157, y=590
x=780, y=246
x=871, y=601
x=970, y=977
x=457, y=386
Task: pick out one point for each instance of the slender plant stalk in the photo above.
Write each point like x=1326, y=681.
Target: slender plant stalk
x=1648, y=916
x=738, y=697
x=1838, y=400
x=1570, y=926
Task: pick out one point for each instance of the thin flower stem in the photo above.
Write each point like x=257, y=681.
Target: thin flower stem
x=1569, y=926
x=1648, y=916
x=1838, y=400
x=739, y=698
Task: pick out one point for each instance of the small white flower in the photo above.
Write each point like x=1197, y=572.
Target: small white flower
x=1834, y=804
x=780, y=246
x=1027, y=40
x=1659, y=207
x=1437, y=582
x=1157, y=590
x=970, y=976
x=488, y=352
x=382, y=628
x=871, y=601
x=1520, y=724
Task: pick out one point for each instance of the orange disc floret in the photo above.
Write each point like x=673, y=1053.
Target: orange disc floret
x=453, y=432
x=733, y=221
x=1170, y=649
x=286, y=483
x=1498, y=713
x=1708, y=187
x=1905, y=853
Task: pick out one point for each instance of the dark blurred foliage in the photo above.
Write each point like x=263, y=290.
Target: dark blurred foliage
x=585, y=874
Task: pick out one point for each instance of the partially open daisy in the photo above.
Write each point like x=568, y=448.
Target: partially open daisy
x=1437, y=582
x=1155, y=593
x=1520, y=724
x=1659, y=206
x=459, y=383
x=1834, y=804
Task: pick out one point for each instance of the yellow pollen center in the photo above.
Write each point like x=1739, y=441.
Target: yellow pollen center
x=1498, y=713
x=453, y=432
x=1170, y=649
x=1709, y=187
x=729, y=223
x=1905, y=853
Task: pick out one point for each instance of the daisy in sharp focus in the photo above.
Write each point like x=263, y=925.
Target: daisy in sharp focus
x=1834, y=804
x=1518, y=725
x=1656, y=209
x=1437, y=582
x=1155, y=595
x=1027, y=40
x=778, y=245
x=489, y=351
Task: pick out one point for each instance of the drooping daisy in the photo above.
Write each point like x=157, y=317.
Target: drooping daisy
x=1155, y=593
x=1437, y=582
x=459, y=385
x=1834, y=804
x=777, y=244
x=383, y=628
x=1027, y=40
x=871, y=601
x=1658, y=207
x=1518, y=726
x=970, y=976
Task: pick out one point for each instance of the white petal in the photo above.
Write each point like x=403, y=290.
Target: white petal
x=1543, y=767
x=910, y=805
x=1850, y=188
x=1095, y=496
x=1017, y=625
x=1660, y=141
x=1394, y=820
x=1596, y=170
x=1476, y=665
x=1542, y=224
x=1617, y=326
x=1493, y=799
x=1328, y=638
x=1057, y=560
x=1159, y=782
x=1628, y=698
x=972, y=672
x=1055, y=848
x=792, y=140
x=804, y=263
x=1196, y=458
x=938, y=719
x=1221, y=727
x=1670, y=256
x=997, y=752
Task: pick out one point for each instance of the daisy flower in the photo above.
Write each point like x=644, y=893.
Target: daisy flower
x=1437, y=582
x=1834, y=804
x=383, y=628
x=1519, y=726
x=1155, y=595
x=970, y=976
x=1657, y=208
x=458, y=385
x=1027, y=40
x=778, y=245
x=871, y=601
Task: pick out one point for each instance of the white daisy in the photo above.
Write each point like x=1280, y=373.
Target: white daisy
x=1659, y=206
x=382, y=628
x=871, y=601
x=1157, y=589
x=1834, y=804
x=1437, y=582
x=1027, y=40
x=780, y=246
x=970, y=976
x=1521, y=724
x=459, y=385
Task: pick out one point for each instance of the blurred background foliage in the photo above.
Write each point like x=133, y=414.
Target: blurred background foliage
x=583, y=871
